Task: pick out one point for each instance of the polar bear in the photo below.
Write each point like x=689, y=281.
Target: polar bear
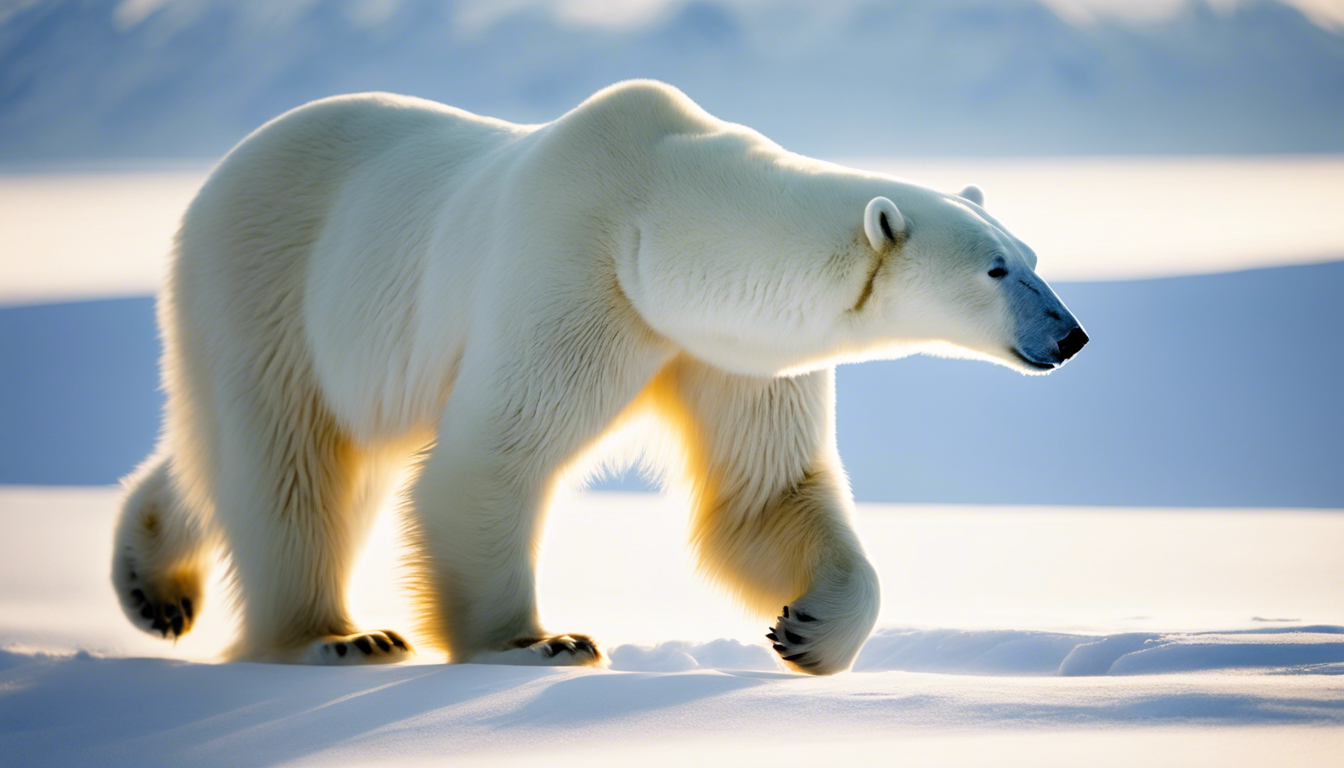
x=372, y=287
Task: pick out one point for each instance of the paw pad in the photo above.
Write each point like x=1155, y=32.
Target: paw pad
x=374, y=647
x=579, y=646
x=165, y=614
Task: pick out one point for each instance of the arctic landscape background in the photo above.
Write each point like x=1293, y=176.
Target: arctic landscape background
x=1178, y=166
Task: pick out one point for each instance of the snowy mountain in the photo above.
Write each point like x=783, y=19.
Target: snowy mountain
x=84, y=79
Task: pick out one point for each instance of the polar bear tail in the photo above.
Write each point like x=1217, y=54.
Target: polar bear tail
x=163, y=552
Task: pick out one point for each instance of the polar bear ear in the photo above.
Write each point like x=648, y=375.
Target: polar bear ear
x=974, y=194
x=882, y=222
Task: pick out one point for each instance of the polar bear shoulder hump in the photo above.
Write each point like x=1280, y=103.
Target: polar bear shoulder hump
x=647, y=106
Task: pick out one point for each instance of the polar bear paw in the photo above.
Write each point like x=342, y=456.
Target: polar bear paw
x=163, y=605
x=794, y=636
x=373, y=647
x=822, y=632
x=816, y=641
x=553, y=651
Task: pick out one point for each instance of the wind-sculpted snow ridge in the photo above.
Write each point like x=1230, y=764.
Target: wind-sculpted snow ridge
x=681, y=656
x=1295, y=650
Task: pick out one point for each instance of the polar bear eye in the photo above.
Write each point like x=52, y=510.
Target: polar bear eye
x=998, y=273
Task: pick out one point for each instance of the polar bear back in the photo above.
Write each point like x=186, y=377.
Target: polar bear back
x=322, y=220
x=391, y=228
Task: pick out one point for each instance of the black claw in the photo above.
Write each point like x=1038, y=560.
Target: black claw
x=383, y=645
x=786, y=611
x=792, y=638
x=363, y=644
x=138, y=595
x=395, y=638
x=771, y=635
x=803, y=616
x=187, y=609
x=170, y=610
x=178, y=623
x=796, y=658
x=341, y=650
x=780, y=648
x=147, y=612
x=550, y=649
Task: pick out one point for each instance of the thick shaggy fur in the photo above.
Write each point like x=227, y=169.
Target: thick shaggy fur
x=373, y=284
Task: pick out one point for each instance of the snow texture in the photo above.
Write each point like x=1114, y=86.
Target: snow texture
x=78, y=686
x=82, y=709
x=1297, y=650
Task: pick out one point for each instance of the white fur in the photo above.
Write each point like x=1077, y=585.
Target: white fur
x=373, y=283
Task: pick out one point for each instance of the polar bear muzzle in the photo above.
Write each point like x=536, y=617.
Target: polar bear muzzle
x=1047, y=332
x=1064, y=348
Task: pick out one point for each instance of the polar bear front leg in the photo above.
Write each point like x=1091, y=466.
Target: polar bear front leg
x=479, y=516
x=517, y=415
x=772, y=517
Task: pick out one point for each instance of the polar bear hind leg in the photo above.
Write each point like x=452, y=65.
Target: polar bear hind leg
x=163, y=552
x=296, y=500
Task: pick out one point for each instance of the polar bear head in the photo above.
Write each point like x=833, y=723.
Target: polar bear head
x=765, y=262
x=958, y=283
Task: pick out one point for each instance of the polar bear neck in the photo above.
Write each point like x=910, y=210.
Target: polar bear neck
x=766, y=246
x=746, y=255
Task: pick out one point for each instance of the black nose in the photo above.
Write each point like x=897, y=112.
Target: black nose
x=1069, y=345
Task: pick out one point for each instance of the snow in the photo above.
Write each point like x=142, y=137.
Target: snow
x=127, y=218
x=1007, y=635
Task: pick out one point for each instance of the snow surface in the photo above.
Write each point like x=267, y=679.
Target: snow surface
x=1238, y=658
